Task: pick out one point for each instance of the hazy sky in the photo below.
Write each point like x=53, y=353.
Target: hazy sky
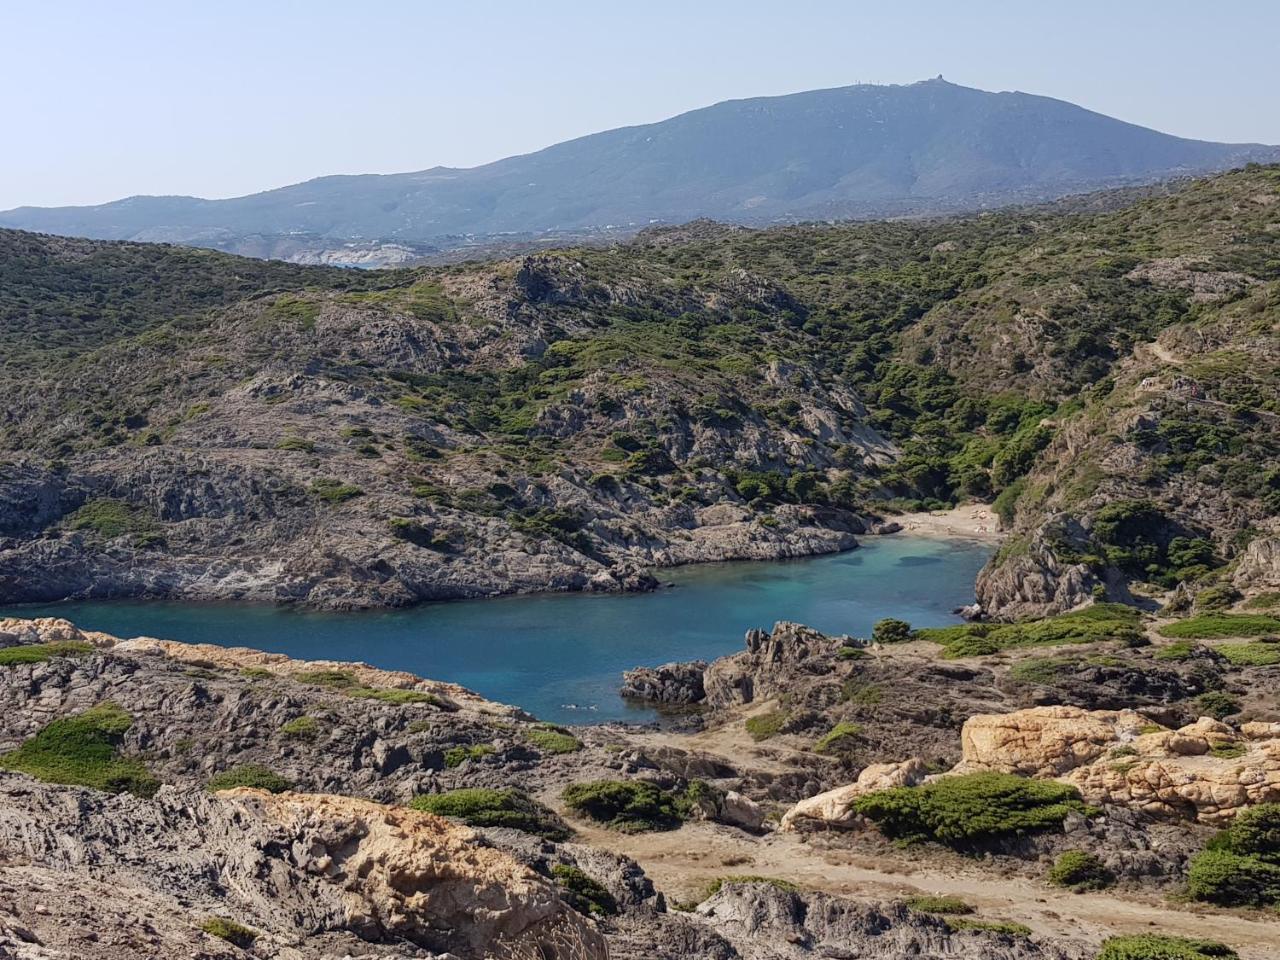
x=107, y=99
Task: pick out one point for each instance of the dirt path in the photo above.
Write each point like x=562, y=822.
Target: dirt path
x=683, y=861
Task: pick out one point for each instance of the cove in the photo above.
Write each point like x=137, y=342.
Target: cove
x=561, y=656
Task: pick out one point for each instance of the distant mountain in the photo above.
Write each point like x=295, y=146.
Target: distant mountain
x=858, y=151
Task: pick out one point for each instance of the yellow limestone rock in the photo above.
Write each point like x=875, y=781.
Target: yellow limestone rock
x=1043, y=741
x=399, y=873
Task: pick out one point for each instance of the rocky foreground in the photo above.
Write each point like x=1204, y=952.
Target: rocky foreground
x=810, y=796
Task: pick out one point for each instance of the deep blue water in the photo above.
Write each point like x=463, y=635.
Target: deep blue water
x=561, y=656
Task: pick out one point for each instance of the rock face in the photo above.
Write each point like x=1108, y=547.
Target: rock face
x=1203, y=771
x=296, y=864
x=1259, y=566
x=671, y=683
x=1034, y=584
x=767, y=923
x=834, y=808
x=769, y=664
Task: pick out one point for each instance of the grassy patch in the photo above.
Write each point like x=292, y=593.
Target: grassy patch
x=393, y=695
x=1079, y=871
x=1217, y=704
x=457, y=756
x=1042, y=670
x=582, y=892
x=1250, y=654
x=40, y=652
x=1099, y=622
x=479, y=807
x=1007, y=927
x=236, y=934
x=1178, y=651
x=552, y=740
x=630, y=806
x=765, y=726
x=842, y=738
x=1215, y=625
x=948, y=906
x=334, y=491
x=333, y=679
x=83, y=750
x=1263, y=601
x=965, y=811
x=1151, y=946
x=249, y=775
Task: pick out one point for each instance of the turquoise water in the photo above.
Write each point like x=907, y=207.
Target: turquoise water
x=561, y=656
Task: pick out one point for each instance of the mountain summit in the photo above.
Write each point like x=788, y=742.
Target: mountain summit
x=857, y=151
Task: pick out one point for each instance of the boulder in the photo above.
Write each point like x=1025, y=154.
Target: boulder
x=1259, y=565
x=834, y=808
x=671, y=683
x=1043, y=741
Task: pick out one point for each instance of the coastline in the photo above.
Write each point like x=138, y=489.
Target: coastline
x=969, y=521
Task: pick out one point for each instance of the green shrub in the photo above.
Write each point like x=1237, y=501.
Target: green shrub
x=1092, y=624
x=249, y=775
x=333, y=679
x=301, y=728
x=40, y=652
x=456, y=756
x=1217, y=704
x=950, y=906
x=1079, y=871
x=478, y=807
x=296, y=443
x=1150, y=946
x=1263, y=601
x=582, y=892
x=1256, y=654
x=1215, y=625
x=852, y=653
x=964, y=811
x=861, y=693
x=1240, y=866
x=82, y=750
x=1042, y=670
x=841, y=738
x=1007, y=927
x=1228, y=751
x=631, y=806
x=236, y=934
x=106, y=518
x=394, y=695
x=890, y=630
x=765, y=726
x=552, y=740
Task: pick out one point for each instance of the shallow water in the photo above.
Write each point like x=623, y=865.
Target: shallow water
x=561, y=656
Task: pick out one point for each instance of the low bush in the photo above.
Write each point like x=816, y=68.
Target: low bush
x=1079, y=871
x=765, y=726
x=40, y=652
x=1042, y=670
x=552, y=740
x=1240, y=866
x=456, y=756
x=333, y=679
x=83, y=750
x=1217, y=625
x=842, y=738
x=334, y=491
x=301, y=728
x=1178, y=650
x=1150, y=946
x=478, y=807
x=394, y=695
x=949, y=906
x=969, y=810
x=1217, y=704
x=236, y=934
x=631, y=806
x=249, y=775
x=890, y=630
x=1099, y=622
x=582, y=892
x=852, y=653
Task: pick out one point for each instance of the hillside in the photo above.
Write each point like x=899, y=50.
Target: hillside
x=569, y=420
x=859, y=151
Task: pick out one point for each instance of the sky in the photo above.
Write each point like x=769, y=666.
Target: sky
x=106, y=100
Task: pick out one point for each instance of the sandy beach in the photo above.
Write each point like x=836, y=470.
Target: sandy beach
x=971, y=521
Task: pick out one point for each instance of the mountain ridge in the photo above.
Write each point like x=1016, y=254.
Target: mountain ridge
x=861, y=151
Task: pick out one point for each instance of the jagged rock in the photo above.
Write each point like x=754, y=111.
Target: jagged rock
x=294, y=864
x=671, y=683
x=1259, y=565
x=835, y=807
x=764, y=922
x=1034, y=582
x=766, y=666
